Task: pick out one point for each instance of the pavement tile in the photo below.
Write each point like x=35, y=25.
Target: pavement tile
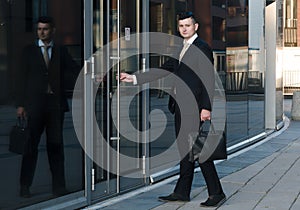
x=296, y=204
x=289, y=181
x=256, y=154
x=242, y=200
x=196, y=192
x=295, y=147
x=289, y=136
x=242, y=196
x=225, y=170
x=263, y=163
x=230, y=188
x=162, y=190
x=238, y=206
x=195, y=202
x=276, y=200
x=240, y=177
x=249, y=172
x=169, y=206
x=281, y=140
x=258, y=187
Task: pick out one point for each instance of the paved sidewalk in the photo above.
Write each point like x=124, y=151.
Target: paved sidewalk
x=271, y=183
x=263, y=176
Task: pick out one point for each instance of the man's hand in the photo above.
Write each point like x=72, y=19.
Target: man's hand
x=204, y=115
x=124, y=77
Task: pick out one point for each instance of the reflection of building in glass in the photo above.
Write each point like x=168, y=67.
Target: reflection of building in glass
x=290, y=27
x=237, y=68
x=237, y=23
x=291, y=50
x=256, y=71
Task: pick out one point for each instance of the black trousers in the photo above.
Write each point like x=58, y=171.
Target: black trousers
x=184, y=183
x=186, y=175
x=49, y=120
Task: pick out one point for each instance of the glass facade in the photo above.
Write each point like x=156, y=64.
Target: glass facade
x=100, y=38
x=17, y=31
x=244, y=71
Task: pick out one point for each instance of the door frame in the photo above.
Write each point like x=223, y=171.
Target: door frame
x=91, y=191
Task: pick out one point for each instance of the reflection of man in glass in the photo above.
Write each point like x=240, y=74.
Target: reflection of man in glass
x=41, y=99
x=188, y=26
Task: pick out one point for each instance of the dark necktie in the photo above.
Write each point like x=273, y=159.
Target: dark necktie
x=46, y=55
x=47, y=59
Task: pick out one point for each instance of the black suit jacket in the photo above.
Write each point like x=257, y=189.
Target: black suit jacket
x=194, y=82
x=34, y=77
x=196, y=72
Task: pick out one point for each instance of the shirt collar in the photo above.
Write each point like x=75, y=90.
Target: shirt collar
x=41, y=43
x=191, y=40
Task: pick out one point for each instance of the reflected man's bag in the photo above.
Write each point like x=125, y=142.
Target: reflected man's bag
x=19, y=138
x=208, y=144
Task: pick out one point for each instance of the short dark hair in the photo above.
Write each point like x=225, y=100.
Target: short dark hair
x=184, y=15
x=46, y=19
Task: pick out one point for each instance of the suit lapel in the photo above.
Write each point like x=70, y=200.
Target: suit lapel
x=187, y=53
x=40, y=58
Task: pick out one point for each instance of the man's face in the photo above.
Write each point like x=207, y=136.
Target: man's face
x=187, y=28
x=45, y=32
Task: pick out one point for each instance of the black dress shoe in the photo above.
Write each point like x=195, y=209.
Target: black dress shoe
x=214, y=201
x=173, y=197
x=25, y=192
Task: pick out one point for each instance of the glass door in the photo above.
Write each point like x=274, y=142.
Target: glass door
x=116, y=148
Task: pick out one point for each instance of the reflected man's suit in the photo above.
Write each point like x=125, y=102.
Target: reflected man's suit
x=45, y=110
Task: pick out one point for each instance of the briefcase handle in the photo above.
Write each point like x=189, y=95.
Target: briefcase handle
x=208, y=126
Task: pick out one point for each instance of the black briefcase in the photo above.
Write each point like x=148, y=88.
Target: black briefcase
x=171, y=104
x=19, y=138
x=208, y=144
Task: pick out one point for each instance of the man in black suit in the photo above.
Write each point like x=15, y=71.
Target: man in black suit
x=202, y=93
x=42, y=100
